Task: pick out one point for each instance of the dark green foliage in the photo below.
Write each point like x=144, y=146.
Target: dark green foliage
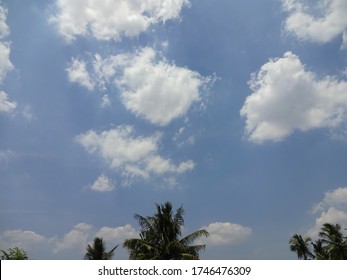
x=300, y=245
x=14, y=254
x=98, y=251
x=160, y=237
x=332, y=245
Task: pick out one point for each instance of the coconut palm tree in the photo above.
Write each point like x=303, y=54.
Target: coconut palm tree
x=319, y=250
x=334, y=242
x=160, y=237
x=14, y=254
x=300, y=245
x=98, y=251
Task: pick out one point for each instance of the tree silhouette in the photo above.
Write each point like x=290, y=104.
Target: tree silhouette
x=98, y=250
x=160, y=237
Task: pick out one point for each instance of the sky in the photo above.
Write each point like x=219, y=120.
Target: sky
x=234, y=110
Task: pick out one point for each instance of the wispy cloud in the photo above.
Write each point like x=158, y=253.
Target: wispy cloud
x=130, y=156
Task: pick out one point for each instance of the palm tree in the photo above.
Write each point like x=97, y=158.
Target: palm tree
x=160, y=237
x=98, y=251
x=319, y=250
x=300, y=245
x=14, y=254
x=335, y=243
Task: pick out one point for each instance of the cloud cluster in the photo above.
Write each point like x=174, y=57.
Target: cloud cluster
x=5, y=64
x=70, y=246
x=225, y=234
x=151, y=88
x=287, y=97
x=106, y=20
x=332, y=209
x=328, y=21
x=131, y=156
x=76, y=238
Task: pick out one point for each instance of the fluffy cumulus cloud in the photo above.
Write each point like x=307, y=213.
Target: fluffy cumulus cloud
x=226, y=233
x=19, y=238
x=75, y=239
x=158, y=92
x=106, y=20
x=151, y=88
x=5, y=64
x=287, y=97
x=332, y=209
x=129, y=155
x=119, y=234
x=318, y=21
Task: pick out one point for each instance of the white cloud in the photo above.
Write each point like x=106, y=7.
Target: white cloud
x=151, y=88
x=4, y=29
x=117, y=234
x=28, y=113
x=106, y=20
x=287, y=97
x=225, y=234
x=5, y=104
x=102, y=184
x=20, y=238
x=319, y=22
x=332, y=216
x=5, y=63
x=331, y=209
x=29, y=241
x=129, y=155
x=77, y=73
x=106, y=102
x=337, y=197
x=158, y=91
x=71, y=246
x=76, y=239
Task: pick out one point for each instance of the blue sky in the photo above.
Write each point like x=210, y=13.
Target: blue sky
x=236, y=110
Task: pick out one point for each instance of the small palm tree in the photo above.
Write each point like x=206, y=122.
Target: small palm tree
x=335, y=243
x=14, y=254
x=160, y=237
x=319, y=250
x=300, y=245
x=98, y=251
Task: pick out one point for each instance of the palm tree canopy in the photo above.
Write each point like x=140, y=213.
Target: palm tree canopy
x=14, y=254
x=332, y=244
x=300, y=245
x=160, y=236
x=98, y=250
x=320, y=251
x=334, y=241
